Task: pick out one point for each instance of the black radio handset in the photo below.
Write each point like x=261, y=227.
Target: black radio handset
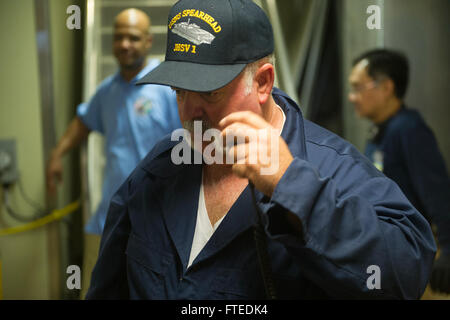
x=261, y=248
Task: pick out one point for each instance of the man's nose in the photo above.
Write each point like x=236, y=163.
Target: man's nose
x=193, y=105
x=125, y=43
x=352, y=97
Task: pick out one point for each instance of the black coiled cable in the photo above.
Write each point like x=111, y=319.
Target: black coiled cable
x=261, y=249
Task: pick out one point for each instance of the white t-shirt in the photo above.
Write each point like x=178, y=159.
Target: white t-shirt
x=203, y=228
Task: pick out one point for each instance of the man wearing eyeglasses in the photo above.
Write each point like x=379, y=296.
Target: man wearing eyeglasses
x=403, y=147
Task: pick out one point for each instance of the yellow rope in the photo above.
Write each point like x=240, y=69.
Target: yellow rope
x=1, y=285
x=53, y=216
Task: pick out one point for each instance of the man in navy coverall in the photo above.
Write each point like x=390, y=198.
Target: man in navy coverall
x=404, y=147
x=185, y=230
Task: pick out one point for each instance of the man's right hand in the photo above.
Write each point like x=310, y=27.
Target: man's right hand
x=54, y=173
x=75, y=133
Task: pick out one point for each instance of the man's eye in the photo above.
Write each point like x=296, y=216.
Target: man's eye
x=178, y=92
x=210, y=95
x=355, y=88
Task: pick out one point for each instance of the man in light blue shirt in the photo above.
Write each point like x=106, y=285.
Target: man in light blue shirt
x=131, y=118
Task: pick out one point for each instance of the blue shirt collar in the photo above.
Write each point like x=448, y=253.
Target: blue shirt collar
x=151, y=64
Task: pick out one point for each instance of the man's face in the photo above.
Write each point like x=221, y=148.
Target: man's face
x=130, y=45
x=365, y=92
x=211, y=107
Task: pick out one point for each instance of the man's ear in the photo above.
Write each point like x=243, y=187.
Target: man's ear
x=388, y=87
x=149, y=41
x=264, y=77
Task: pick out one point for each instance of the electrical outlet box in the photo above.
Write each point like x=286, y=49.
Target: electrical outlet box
x=8, y=161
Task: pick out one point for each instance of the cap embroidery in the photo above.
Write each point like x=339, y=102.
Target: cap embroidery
x=198, y=14
x=192, y=32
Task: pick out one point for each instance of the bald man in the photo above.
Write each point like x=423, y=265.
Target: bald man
x=131, y=118
x=132, y=41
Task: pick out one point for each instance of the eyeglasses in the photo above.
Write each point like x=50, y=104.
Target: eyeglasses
x=358, y=88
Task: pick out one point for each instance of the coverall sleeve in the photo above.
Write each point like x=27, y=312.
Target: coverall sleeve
x=109, y=277
x=349, y=234
x=429, y=177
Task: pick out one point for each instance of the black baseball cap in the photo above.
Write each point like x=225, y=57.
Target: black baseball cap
x=209, y=42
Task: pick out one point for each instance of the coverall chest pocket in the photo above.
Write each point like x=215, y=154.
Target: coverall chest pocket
x=235, y=284
x=147, y=267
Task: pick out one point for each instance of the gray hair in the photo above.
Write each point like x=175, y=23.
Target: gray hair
x=251, y=68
